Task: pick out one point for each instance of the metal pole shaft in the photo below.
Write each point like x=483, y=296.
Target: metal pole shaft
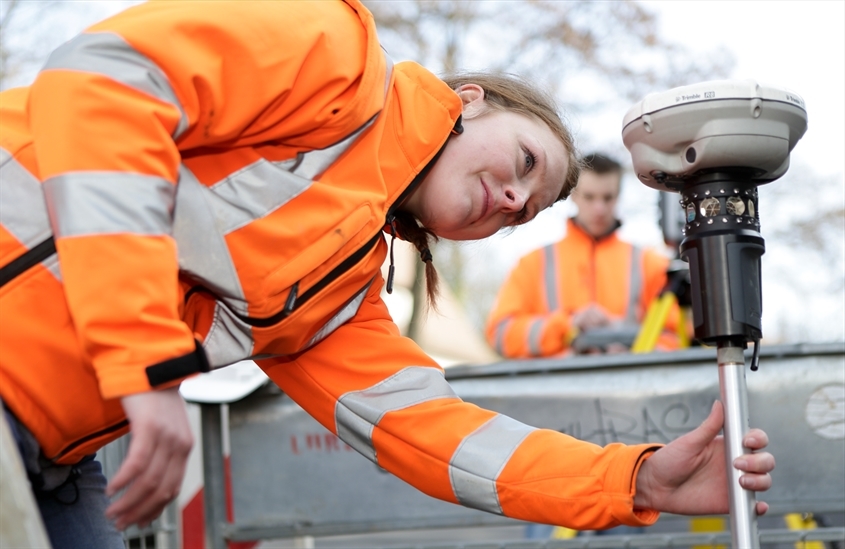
x=214, y=489
x=735, y=402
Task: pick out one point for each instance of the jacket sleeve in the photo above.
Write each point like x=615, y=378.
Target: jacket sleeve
x=520, y=325
x=114, y=109
x=383, y=396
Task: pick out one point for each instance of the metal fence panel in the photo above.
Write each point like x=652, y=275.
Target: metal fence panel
x=292, y=477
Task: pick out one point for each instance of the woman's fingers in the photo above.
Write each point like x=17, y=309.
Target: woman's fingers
x=137, y=458
x=154, y=466
x=762, y=462
x=762, y=507
x=704, y=434
x=138, y=496
x=756, y=468
x=154, y=487
x=168, y=490
x=755, y=439
x=151, y=489
x=756, y=483
x=150, y=507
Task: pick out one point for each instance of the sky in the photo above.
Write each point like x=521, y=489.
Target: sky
x=796, y=45
x=784, y=43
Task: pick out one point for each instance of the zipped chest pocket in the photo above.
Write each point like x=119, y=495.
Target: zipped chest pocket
x=320, y=261
x=306, y=318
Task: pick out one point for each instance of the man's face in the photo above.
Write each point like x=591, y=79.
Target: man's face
x=596, y=196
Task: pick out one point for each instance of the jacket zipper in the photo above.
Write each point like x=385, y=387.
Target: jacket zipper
x=30, y=259
x=78, y=442
x=295, y=300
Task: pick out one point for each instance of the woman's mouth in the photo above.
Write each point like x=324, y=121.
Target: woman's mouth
x=485, y=206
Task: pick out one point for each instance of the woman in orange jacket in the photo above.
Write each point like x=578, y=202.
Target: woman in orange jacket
x=193, y=184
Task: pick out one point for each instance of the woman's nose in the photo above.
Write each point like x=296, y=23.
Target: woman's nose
x=514, y=199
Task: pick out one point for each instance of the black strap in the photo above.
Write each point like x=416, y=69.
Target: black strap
x=179, y=367
x=31, y=258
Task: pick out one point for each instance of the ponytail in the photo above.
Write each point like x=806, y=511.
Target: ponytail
x=422, y=239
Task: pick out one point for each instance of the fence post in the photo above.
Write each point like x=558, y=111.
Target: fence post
x=214, y=481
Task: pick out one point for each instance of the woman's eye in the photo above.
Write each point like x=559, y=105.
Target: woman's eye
x=530, y=160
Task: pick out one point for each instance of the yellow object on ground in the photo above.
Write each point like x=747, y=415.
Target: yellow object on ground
x=561, y=532
x=708, y=524
x=799, y=521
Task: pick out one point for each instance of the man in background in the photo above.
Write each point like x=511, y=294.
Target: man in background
x=586, y=293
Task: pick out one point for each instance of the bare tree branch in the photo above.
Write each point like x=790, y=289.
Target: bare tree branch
x=617, y=42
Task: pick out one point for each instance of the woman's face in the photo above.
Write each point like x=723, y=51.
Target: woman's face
x=501, y=171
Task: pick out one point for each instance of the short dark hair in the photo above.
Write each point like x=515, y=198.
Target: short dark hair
x=599, y=163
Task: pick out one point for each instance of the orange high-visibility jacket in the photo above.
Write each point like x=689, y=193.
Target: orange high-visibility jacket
x=221, y=172
x=533, y=312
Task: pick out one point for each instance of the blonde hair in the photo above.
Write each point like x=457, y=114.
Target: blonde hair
x=504, y=92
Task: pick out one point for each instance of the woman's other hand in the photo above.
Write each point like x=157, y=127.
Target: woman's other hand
x=158, y=452
x=688, y=476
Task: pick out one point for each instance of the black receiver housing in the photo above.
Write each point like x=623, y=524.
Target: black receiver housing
x=723, y=247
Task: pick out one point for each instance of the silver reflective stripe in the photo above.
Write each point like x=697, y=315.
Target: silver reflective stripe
x=348, y=311
x=388, y=70
x=634, y=286
x=229, y=340
x=480, y=458
x=501, y=330
x=205, y=215
x=358, y=412
x=110, y=55
x=290, y=164
x=203, y=253
x=52, y=265
x=86, y=203
x=23, y=211
x=254, y=192
x=551, y=278
x=314, y=163
x=535, y=330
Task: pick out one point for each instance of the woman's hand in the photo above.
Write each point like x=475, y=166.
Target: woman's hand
x=155, y=463
x=688, y=476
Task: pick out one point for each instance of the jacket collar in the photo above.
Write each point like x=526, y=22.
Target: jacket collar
x=421, y=114
x=573, y=227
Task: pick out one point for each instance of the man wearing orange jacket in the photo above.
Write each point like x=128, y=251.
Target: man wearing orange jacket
x=585, y=293
x=196, y=183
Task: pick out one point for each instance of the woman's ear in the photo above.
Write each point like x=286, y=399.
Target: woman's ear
x=472, y=97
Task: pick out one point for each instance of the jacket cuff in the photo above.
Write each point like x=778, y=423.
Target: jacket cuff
x=622, y=483
x=179, y=367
